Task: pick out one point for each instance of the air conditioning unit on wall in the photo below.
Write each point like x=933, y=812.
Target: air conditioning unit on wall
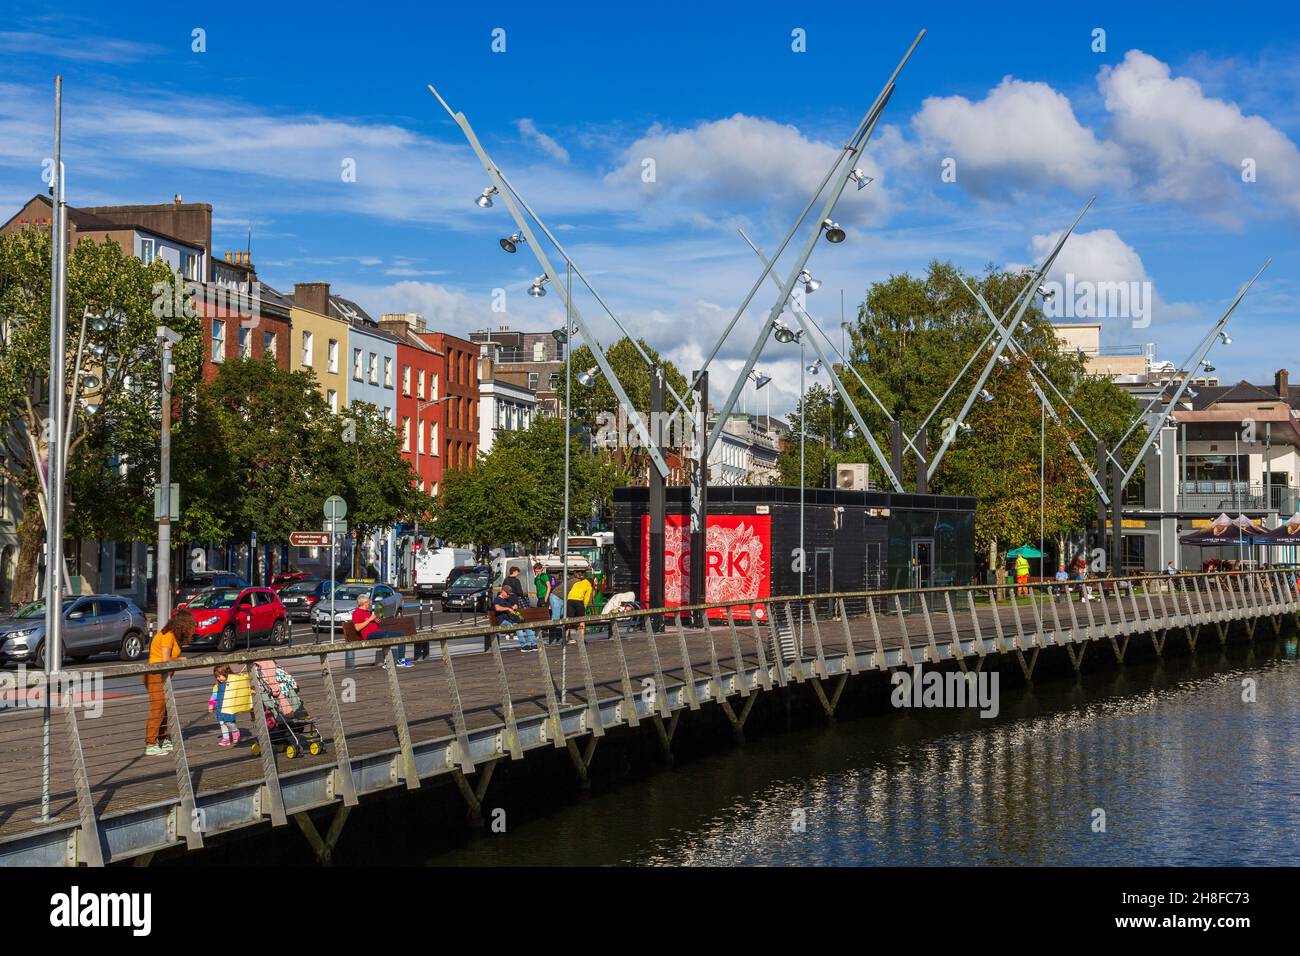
x=851, y=477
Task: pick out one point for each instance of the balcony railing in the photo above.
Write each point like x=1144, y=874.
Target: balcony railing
x=1236, y=496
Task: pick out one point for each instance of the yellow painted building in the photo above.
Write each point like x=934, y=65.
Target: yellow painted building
x=320, y=343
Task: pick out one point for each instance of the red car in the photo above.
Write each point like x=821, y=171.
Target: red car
x=229, y=617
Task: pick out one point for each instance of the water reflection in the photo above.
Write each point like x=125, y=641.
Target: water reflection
x=1185, y=771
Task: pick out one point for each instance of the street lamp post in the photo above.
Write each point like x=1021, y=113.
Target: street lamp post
x=167, y=339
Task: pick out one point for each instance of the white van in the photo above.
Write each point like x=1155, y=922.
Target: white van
x=551, y=562
x=433, y=565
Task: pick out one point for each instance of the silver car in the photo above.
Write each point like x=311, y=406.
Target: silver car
x=94, y=624
x=384, y=601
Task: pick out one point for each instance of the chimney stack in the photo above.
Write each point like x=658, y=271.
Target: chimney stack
x=177, y=199
x=228, y=255
x=313, y=296
x=1280, y=380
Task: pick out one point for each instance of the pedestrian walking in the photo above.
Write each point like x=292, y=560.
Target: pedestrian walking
x=1022, y=574
x=165, y=646
x=556, y=601
x=541, y=585
x=232, y=695
x=579, y=599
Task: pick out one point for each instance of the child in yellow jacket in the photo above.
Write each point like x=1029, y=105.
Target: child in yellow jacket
x=232, y=695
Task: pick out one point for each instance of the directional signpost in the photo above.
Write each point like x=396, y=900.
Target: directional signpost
x=336, y=509
x=309, y=539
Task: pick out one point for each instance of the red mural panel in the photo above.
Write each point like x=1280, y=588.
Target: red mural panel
x=738, y=555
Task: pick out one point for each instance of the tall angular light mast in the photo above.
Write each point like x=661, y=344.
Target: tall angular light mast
x=1026, y=297
x=494, y=174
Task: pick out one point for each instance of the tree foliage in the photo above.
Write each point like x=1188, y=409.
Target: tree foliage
x=911, y=342
x=515, y=493
x=113, y=453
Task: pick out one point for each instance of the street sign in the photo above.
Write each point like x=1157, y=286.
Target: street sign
x=336, y=527
x=335, y=508
x=309, y=539
x=174, y=502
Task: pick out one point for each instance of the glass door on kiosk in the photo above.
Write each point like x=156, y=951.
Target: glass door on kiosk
x=922, y=564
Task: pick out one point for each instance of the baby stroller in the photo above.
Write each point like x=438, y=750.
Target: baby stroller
x=291, y=729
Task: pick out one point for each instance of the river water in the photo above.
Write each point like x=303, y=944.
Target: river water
x=1184, y=770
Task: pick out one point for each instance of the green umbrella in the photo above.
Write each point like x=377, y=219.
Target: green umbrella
x=1025, y=551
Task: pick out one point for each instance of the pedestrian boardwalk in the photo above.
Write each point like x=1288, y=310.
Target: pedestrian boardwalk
x=458, y=715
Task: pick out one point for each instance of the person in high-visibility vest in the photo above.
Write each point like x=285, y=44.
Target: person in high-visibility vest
x=578, y=600
x=1022, y=574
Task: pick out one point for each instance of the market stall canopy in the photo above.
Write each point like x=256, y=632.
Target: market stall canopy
x=1287, y=533
x=1227, y=533
x=1025, y=551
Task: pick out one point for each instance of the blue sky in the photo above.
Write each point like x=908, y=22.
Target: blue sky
x=741, y=128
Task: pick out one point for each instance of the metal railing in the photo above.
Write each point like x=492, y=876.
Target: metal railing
x=1237, y=496
x=365, y=729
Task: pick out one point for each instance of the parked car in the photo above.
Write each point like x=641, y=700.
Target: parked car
x=433, y=568
x=300, y=598
x=281, y=581
x=93, y=624
x=197, y=581
x=228, y=617
x=469, y=590
x=384, y=601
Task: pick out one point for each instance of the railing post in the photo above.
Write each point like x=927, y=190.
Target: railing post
x=552, y=705
x=952, y=627
x=270, y=774
x=661, y=692
x=881, y=663
x=1000, y=641
x=625, y=679
x=512, y=745
x=851, y=654
x=89, y=833
x=975, y=623
x=688, y=673
x=817, y=641
x=902, y=626
x=931, y=648
x=346, y=785
x=742, y=680
x=457, y=713
x=716, y=691
x=764, y=672
x=184, y=782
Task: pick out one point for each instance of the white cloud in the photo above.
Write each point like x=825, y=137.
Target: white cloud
x=531, y=134
x=1022, y=135
x=742, y=159
x=1189, y=147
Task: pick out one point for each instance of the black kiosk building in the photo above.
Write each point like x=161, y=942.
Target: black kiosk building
x=853, y=541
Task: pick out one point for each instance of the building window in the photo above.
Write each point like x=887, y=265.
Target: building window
x=218, y=340
x=433, y=439
x=406, y=380
x=190, y=266
x=148, y=250
x=388, y=414
x=419, y=384
x=4, y=507
x=268, y=343
x=533, y=379
x=245, y=343
x=433, y=386
x=307, y=356
x=539, y=351
x=122, y=566
x=333, y=398
x=406, y=433
x=419, y=444
x=356, y=364
x=333, y=356
x=388, y=372
x=374, y=369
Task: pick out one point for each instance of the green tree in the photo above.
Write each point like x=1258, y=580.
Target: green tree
x=910, y=344
x=376, y=481
x=113, y=453
x=593, y=404
x=515, y=494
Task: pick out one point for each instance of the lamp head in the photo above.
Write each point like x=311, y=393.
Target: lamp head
x=833, y=231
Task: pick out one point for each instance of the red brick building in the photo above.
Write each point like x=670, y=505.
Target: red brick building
x=421, y=417
x=458, y=437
